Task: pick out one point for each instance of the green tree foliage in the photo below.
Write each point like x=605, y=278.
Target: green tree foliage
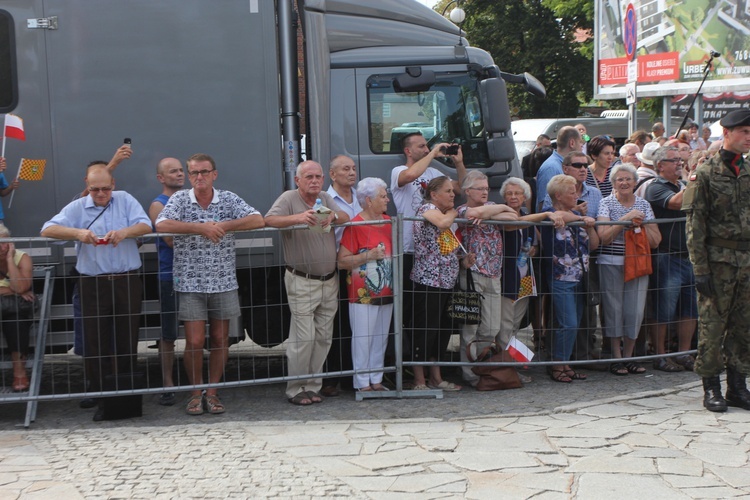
x=578, y=14
x=526, y=36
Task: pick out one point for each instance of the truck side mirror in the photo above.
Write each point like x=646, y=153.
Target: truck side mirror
x=494, y=99
x=414, y=80
x=501, y=148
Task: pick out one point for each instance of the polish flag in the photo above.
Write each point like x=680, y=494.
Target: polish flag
x=519, y=351
x=14, y=127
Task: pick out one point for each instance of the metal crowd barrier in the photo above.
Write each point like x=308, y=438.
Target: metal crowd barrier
x=56, y=373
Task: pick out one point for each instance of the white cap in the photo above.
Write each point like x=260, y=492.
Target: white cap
x=647, y=156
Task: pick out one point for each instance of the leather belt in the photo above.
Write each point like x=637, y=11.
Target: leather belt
x=731, y=244
x=310, y=276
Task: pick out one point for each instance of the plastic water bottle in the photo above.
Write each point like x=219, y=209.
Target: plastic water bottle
x=380, y=261
x=318, y=205
x=523, y=257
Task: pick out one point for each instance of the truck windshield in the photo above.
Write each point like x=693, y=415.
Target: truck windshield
x=449, y=112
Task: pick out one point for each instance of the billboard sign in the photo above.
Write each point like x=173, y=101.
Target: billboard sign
x=674, y=42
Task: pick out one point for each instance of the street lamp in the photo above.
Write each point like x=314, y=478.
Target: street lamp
x=457, y=16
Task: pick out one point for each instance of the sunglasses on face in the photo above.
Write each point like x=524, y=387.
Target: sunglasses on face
x=578, y=165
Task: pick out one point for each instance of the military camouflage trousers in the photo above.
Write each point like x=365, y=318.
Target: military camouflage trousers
x=724, y=322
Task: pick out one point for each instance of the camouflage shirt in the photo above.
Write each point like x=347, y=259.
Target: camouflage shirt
x=717, y=206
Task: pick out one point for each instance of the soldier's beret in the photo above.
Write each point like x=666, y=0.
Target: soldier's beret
x=738, y=118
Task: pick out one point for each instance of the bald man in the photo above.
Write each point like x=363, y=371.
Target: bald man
x=105, y=223
x=170, y=174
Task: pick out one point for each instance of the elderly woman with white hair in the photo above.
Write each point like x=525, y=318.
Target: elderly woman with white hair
x=365, y=252
x=515, y=191
x=623, y=303
x=485, y=242
x=17, y=306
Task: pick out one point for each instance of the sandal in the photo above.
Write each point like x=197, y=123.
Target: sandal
x=365, y=389
x=633, y=368
x=560, y=375
x=378, y=387
x=574, y=375
x=420, y=387
x=618, y=369
x=195, y=405
x=686, y=361
x=301, y=399
x=667, y=365
x=213, y=404
x=445, y=386
x=315, y=397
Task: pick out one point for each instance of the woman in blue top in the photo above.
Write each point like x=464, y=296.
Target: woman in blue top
x=566, y=258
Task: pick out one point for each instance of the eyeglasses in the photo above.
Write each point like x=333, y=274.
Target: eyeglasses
x=483, y=190
x=625, y=179
x=578, y=165
x=103, y=190
x=204, y=173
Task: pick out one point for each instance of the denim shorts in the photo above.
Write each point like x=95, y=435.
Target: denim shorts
x=675, y=289
x=204, y=306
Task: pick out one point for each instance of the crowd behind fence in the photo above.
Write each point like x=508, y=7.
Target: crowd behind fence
x=265, y=319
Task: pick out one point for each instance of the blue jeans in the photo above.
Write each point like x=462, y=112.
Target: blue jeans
x=675, y=289
x=567, y=304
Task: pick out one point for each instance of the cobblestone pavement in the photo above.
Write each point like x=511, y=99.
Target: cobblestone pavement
x=586, y=441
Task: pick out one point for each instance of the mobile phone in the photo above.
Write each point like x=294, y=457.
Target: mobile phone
x=452, y=150
x=127, y=140
x=580, y=201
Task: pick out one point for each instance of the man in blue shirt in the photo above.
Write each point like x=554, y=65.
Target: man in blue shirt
x=171, y=176
x=105, y=223
x=568, y=140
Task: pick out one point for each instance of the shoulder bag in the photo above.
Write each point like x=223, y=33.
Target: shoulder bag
x=493, y=378
x=465, y=306
x=637, y=254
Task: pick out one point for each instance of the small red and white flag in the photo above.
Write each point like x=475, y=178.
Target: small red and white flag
x=14, y=127
x=519, y=351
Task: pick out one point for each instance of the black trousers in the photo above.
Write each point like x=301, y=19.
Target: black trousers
x=111, y=307
x=431, y=326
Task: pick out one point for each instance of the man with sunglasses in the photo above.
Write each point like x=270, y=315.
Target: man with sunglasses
x=105, y=223
x=717, y=204
x=575, y=164
x=673, y=283
x=204, y=271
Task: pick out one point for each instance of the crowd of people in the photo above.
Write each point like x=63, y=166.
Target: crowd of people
x=593, y=205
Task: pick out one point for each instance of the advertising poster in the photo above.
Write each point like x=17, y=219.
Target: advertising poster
x=674, y=41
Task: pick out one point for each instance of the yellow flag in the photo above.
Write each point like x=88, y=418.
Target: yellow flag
x=32, y=170
x=447, y=242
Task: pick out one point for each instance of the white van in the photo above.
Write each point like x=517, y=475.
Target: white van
x=613, y=123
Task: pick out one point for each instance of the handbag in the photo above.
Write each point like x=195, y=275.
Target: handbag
x=17, y=305
x=465, y=306
x=493, y=378
x=637, y=254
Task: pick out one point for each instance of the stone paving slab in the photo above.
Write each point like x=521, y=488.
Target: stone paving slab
x=654, y=444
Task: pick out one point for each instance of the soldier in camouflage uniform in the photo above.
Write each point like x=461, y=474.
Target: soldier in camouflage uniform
x=717, y=205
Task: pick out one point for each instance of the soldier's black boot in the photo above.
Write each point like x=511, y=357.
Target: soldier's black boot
x=712, y=398
x=737, y=393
